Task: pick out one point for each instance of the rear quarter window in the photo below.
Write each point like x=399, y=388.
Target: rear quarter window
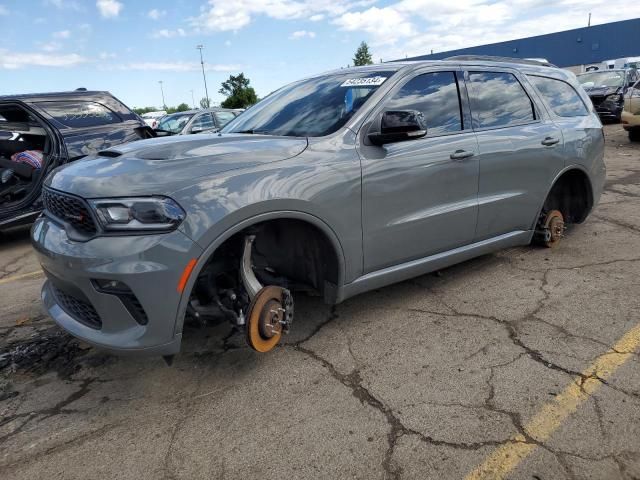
x=78, y=114
x=561, y=97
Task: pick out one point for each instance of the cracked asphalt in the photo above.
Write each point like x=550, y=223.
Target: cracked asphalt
x=423, y=379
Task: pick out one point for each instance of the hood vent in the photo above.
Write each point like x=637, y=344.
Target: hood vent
x=109, y=153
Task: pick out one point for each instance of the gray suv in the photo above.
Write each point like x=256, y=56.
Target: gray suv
x=333, y=185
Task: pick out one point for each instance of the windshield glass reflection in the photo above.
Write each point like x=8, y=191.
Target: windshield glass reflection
x=311, y=108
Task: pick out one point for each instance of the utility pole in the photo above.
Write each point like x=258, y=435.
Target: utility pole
x=193, y=101
x=589, y=24
x=164, y=105
x=204, y=77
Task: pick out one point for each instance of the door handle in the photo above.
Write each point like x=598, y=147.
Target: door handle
x=461, y=155
x=549, y=141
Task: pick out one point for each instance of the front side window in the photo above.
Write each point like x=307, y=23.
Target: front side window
x=224, y=118
x=203, y=122
x=561, y=97
x=78, y=114
x=498, y=100
x=435, y=95
x=314, y=107
x=174, y=123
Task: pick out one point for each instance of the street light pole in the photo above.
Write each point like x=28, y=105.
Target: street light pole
x=193, y=100
x=164, y=104
x=204, y=77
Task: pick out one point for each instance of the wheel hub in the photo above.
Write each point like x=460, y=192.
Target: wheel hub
x=554, y=228
x=269, y=315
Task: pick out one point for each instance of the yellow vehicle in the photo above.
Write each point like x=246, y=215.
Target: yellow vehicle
x=631, y=112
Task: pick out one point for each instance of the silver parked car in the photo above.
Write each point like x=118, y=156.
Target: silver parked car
x=195, y=121
x=335, y=185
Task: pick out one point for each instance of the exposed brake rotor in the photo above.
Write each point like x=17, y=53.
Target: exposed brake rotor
x=268, y=317
x=553, y=228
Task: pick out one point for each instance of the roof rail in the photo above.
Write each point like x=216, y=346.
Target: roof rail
x=489, y=58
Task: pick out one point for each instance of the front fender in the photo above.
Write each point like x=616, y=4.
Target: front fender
x=219, y=239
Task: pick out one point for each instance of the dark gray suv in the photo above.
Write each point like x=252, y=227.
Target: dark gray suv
x=335, y=185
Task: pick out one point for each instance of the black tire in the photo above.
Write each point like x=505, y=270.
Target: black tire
x=634, y=135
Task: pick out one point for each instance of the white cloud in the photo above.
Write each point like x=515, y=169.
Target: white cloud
x=317, y=17
x=3, y=10
x=301, y=34
x=385, y=22
x=155, y=14
x=50, y=46
x=15, y=60
x=222, y=15
x=107, y=55
x=173, y=67
x=61, y=34
x=164, y=33
x=109, y=8
x=64, y=4
x=415, y=27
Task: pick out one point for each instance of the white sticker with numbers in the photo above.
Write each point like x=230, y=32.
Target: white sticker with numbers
x=364, y=82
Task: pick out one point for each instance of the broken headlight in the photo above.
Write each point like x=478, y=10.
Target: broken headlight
x=141, y=214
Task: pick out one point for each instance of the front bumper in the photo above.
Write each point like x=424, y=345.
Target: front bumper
x=607, y=109
x=150, y=265
x=629, y=120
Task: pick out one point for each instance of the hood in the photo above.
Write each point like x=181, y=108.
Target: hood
x=601, y=91
x=161, y=166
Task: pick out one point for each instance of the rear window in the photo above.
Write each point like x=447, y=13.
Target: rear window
x=78, y=114
x=498, y=100
x=561, y=97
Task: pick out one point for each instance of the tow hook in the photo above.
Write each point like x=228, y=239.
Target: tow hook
x=270, y=313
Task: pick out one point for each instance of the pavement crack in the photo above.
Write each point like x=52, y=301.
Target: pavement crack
x=627, y=226
x=15, y=262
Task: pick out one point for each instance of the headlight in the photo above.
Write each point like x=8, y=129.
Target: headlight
x=138, y=214
x=613, y=98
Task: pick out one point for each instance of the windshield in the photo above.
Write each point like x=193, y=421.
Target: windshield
x=174, y=123
x=311, y=108
x=602, y=79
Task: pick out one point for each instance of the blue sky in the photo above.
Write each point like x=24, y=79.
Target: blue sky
x=127, y=46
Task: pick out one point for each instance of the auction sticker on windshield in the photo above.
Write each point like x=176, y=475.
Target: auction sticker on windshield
x=364, y=82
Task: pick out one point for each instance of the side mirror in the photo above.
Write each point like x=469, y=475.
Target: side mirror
x=398, y=126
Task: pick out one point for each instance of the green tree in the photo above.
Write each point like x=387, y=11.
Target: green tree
x=363, y=55
x=183, y=107
x=238, y=92
x=143, y=110
x=204, y=102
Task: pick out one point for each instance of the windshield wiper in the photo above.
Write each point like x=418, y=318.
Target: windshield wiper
x=164, y=131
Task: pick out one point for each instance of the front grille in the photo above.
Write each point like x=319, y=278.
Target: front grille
x=80, y=310
x=69, y=209
x=597, y=99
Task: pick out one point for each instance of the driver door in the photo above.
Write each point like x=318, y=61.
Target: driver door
x=420, y=197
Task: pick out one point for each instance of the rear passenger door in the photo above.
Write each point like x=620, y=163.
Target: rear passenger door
x=520, y=151
x=419, y=197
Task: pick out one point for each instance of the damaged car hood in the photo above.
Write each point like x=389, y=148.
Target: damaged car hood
x=164, y=165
